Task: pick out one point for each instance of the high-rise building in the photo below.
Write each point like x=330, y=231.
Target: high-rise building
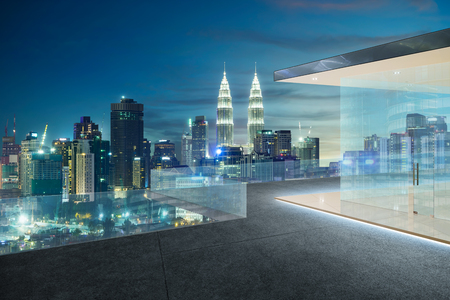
x=9, y=147
x=164, y=156
x=437, y=123
x=229, y=161
x=186, y=149
x=28, y=146
x=61, y=147
x=76, y=147
x=384, y=154
x=147, y=156
x=283, y=143
x=224, y=122
x=127, y=134
x=101, y=149
x=308, y=151
x=85, y=173
x=30, y=143
x=264, y=142
x=40, y=174
x=86, y=129
x=372, y=143
x=400, y=153
x=416, y=128
x=9, y=173
x=200, y=140
x=255, y=111
x=65, y=183
x=139, y=173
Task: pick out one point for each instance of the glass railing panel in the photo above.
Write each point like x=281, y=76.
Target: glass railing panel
x=40, y=222
x=202, y=187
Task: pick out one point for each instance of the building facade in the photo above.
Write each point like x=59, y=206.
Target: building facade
x=224, y=121
x=283, y=143
x=86, y=129
x=164, y=156
x=255, y=112
x=200, y=140
x=186, y=149
x=127, y=134
x=139, y=173
x=85, y=173
x=264, y=143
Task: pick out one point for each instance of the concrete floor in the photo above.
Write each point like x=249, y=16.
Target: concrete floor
x=280, y=251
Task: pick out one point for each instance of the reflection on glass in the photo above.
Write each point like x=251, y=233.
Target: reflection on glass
x=391, y=122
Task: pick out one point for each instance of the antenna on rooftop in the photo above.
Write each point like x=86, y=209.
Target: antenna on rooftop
x=6, y=128
x=101, y=130
x=14, y=130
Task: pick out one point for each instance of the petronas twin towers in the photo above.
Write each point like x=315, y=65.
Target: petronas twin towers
x=225, y=125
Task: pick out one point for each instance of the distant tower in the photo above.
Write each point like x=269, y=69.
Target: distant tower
x=200, y=135
x=127, y=134
x=225, y=126
x=255, y=111
x=86, y=129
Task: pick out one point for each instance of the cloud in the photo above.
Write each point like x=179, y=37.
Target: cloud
x=327, y=5
x=423, y=5
x=323, y=43
x=354, y=5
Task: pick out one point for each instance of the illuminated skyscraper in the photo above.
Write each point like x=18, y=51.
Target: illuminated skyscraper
x=127, y=134
x=283, y=143
x=85, y=173
x=255, y=111
x=225, y=126
x=86, y=129
x=200, y=134
x=186, y=149
x=164, y=156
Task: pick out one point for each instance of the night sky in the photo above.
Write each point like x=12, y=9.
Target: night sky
x=60, y=60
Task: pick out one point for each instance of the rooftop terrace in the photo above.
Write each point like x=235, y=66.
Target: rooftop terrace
x=280, y=251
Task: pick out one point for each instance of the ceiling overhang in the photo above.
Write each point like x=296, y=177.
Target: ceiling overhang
x=428, y=49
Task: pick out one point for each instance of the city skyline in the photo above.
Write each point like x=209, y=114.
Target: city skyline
x=67, y=60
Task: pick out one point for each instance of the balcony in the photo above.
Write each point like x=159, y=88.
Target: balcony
x=280, y=251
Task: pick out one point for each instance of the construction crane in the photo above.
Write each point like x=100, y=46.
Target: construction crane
x=43, y=137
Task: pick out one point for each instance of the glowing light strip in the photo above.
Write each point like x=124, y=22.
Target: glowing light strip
x=370, y=224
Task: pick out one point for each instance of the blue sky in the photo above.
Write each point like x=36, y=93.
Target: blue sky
x=60, y=60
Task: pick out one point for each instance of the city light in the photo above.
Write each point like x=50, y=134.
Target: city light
x=218, y=151
x=41, y=151
x=100, y=216
x=23, y=219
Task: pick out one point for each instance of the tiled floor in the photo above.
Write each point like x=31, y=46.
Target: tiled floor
x=420, y=225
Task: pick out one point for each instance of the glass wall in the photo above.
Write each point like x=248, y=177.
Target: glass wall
x=394, y=135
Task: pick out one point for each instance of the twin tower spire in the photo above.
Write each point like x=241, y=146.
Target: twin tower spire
x=225, y=125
